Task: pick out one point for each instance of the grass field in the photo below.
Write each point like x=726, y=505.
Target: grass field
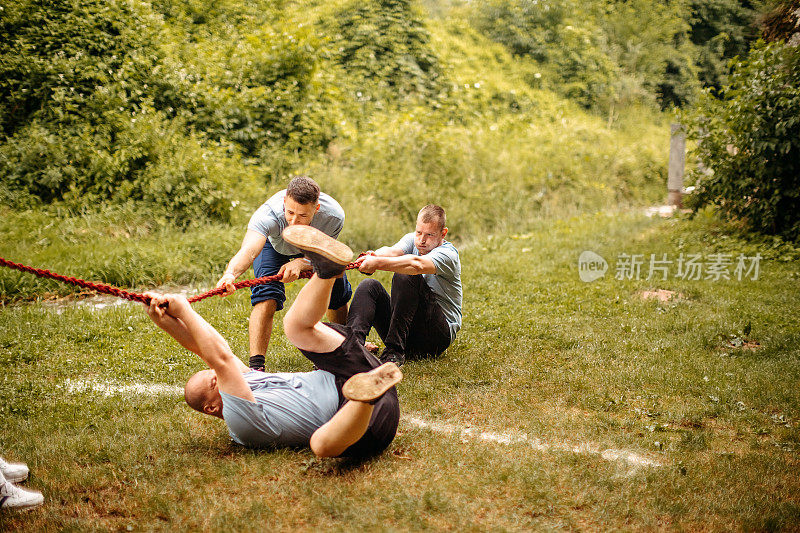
x=506, y=431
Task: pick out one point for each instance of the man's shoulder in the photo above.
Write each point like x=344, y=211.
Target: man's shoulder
x=329, y=206
x=448, y=248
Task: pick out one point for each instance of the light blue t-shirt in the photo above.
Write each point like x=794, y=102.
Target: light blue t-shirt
x=270, y=220
x=289, y=407
x=446, y=283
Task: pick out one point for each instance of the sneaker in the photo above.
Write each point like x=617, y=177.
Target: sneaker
x=328, y=256
x=390, y=356
x=13, y=472
x=370, y=386
x=13, y=497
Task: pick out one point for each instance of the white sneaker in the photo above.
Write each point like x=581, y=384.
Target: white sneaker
x=13, y=497
x=13, y=472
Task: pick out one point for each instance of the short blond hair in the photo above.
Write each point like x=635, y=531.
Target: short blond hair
x=433, y=213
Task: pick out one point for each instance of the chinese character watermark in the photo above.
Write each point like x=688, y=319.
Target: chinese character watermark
x=690, y=266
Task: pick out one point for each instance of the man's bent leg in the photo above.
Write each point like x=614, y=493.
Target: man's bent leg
x=371, y=307
x=266, y=299
x=302, y=322
x=346, y=428
x=405, y=303
x=260, y=327
x=350, y=424
x=340, y=296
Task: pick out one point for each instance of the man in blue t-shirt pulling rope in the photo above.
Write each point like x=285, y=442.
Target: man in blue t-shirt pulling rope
x=263, y=246
x=423, y=313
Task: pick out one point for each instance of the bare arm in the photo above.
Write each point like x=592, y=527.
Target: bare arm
x=195, y=334
x=402, y=264
x=387, y=251
x=252, y=244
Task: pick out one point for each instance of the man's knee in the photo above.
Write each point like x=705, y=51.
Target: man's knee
x=403, y=282
x=370, y=287
x=323, y=446
x=265, y=309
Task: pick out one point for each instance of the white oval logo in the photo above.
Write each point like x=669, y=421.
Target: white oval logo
x=591, y=266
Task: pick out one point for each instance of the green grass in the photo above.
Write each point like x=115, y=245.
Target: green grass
x=540, y=353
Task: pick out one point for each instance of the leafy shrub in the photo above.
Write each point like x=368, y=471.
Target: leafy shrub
x=149, y=160
x=561, y=36
x=73, y=61
x=750, y=141
x=80, y=85
x=384, y=44
x=649, y=41
x=721, y=30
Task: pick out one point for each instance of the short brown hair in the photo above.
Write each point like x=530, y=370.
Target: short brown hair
x=303, y=190
x=433, y=213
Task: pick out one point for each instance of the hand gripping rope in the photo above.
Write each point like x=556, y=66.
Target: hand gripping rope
x=136, y=297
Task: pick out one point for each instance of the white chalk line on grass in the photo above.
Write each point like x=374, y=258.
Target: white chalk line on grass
x=465, y=433
x=510, y=437
x=107, y=388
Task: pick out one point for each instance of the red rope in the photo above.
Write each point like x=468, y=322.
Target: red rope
x=136, y=297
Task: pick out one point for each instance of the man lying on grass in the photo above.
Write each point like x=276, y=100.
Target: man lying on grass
x=348, y=407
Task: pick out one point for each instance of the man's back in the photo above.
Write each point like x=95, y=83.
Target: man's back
x=289, y=407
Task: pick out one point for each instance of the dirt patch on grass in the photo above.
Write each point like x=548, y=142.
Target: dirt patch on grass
x=743, y=344
x=662, y=295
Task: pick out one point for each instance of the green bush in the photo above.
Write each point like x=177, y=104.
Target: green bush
x=72, y=62
x=385, y=46
x=81, y=84
x=750, y=141
x=149, y=160
x=561, y=36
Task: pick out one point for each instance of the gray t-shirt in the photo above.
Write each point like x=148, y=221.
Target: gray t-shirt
x=446, y=283
x=289, y=407
x=270, y=220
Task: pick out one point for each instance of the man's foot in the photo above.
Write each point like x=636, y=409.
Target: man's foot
x=13, y=472
x=370, y=386
x=257, y=362
x=390, y=356
x=13, y=497
x=328, y=256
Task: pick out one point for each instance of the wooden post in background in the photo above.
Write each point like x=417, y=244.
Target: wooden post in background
x=677, y=164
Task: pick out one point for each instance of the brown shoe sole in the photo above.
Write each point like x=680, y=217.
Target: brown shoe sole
x=369, y=386
x=313, y=240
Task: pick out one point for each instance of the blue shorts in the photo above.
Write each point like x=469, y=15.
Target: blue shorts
x=269, y=262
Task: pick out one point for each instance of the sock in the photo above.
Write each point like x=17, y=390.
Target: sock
x=257, y=362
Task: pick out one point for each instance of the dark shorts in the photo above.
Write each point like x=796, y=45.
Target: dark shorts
x=269, y=262
x=349, y=359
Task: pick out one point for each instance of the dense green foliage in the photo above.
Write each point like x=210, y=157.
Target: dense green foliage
x=187, y=107
x=384, y=45
x=559, y=36
x=750, y=140
x=609, y=53
x=721, y=30
x=83, y=116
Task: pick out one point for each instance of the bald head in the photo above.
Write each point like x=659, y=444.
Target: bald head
x=202, y=394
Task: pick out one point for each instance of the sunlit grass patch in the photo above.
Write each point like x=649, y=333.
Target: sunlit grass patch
x=542, y=354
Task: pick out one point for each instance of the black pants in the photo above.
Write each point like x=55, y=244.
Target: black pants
x=347, y=360
x=410, y=322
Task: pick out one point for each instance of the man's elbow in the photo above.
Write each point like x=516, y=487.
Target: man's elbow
x=219, y=357
x=418, y=266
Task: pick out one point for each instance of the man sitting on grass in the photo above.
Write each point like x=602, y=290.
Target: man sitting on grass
x=423, y=314
x=348, y=407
